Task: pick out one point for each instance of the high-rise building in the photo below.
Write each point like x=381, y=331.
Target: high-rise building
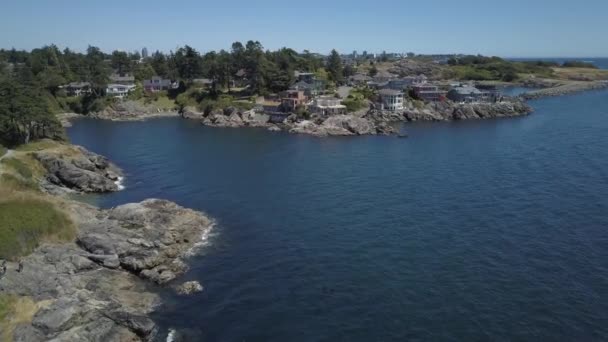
x=144, y=53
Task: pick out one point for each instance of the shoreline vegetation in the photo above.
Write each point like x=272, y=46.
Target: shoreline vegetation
x=76, y=272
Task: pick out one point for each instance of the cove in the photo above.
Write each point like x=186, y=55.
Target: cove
x=476, y=230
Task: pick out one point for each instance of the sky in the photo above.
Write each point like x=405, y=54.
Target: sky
x=515, y=28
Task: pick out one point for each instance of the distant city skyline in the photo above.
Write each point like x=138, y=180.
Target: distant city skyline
x=515, y=29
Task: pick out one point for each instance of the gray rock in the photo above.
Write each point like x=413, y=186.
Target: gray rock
x=27, y=333
x=189, y=288
x=139, y=324
x=62, y=315
x=85, y=172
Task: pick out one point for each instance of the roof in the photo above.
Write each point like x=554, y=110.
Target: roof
x=467, y=90
x=385, y=74
x=360, y=77
x=241, y=73
x=202, y=80
x=79, y=84
x=390, y=92
x=119, y=78
x=301, y=85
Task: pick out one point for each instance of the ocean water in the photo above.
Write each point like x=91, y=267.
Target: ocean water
x=466, y=231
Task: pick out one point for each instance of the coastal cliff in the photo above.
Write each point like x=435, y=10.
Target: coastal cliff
x=97, y=284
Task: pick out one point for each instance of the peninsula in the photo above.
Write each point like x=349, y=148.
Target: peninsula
x=284, y=90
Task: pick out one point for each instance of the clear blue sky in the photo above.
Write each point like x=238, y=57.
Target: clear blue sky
x=515, y=28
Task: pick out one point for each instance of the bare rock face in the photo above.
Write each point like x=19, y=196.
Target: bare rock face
x=94, y=289
x=446, y=111
x=84, y=171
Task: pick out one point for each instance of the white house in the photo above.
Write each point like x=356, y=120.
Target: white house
x=119, y=90
x=391, y=99
x=328, y=106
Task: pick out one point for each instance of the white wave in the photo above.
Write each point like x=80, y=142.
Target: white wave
x=119, y=184
x=171, y=335
x=205, y=240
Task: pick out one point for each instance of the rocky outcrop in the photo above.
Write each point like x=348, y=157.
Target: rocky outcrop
x=128, y=110
x=80, y=170
x=564, y=89
x=339, y=125
x=448, y=111
x=94, y=290
x=233, y=117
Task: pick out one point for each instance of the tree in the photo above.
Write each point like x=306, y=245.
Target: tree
x=373, y=71
x=334, y=67
x=348, y=71
x=121, y=62
x=98, y=71
x=159, y=64
x=188, y=63
x=24, y=114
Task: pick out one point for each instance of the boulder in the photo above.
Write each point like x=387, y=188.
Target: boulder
x=189, y=288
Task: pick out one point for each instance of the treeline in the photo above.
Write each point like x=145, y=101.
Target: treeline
x=31, y=81
x=495, y=68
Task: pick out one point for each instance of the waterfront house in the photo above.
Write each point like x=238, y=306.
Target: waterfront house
x=327, y=106
x=391, y=99
x=291, y=99
x=311, y=90
x=123, y=79
x=157, y=83
x=429, y=92
x=466, y=93
x=77, y=88
x=118, y=90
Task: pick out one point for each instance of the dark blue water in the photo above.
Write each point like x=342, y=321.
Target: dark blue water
x=601, y=63
x=466, y=231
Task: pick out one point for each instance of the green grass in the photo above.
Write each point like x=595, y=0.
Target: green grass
x=6, y=302
x=11, y=182
x=26, y=221
x=2, y=150
x=18, y=166
x=39, y=145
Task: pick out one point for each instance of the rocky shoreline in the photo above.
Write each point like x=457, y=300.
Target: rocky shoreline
x=101, y=286
x=372, y=122
x=563, y=89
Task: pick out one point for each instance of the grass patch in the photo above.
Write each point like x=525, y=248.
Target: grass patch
x=18, y=166
x=27, y=220
x=16, y=310
x=2, y=150
x=39, y=145
x=11, y=182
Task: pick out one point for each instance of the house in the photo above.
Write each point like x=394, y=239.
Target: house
x=123, y=79
x=311, y=90
x=359, y=80
x=383, y=76
x=466, y=93
x=119, y=90
x=328, y=105
x=429, y=92
x=291, y=99
x=307, y=77
x=157, y=83
x=391, y=99
x=78, y=88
